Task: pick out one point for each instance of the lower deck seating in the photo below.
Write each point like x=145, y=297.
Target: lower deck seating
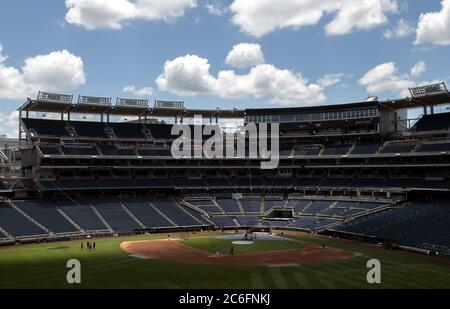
x=223, y=221
x=47, y=215
x=413, y=224
x=16, y=224
x=115, y=215
x=169, y=207
x=142, y=210
x=81, y=212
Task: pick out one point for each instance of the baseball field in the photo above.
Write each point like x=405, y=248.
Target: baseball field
x=214, y=260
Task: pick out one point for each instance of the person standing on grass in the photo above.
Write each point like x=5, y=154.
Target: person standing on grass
x=94, y=245
x=81, y=246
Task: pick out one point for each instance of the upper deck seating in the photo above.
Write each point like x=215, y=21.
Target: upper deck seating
x=435, y=122
x=44, y=127
x=128, y=130
x=393, y=148
x=308, y=151
x=89, y=129
x=111, y=150
x=362, y=149
x=47, y=215
x=80, y=150
x=154, y=152
x=16, y=224
x=434, y=147
x=160, y=131
x=50, y=150
x=336, y=150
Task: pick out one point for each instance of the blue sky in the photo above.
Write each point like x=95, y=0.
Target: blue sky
x=133, y=48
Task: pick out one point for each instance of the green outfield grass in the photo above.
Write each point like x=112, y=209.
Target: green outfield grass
x=214, y=245
x=43, y=266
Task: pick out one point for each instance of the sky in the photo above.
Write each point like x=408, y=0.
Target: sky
x=221, y=53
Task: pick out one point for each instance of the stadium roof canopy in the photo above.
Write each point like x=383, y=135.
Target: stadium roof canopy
x=424, y=96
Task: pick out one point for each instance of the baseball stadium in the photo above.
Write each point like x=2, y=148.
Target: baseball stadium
x=97, y=181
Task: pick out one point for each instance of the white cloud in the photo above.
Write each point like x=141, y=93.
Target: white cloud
x=418, y=69
x=57, y=71
x=259, y=18
x=402, y=29
x=140, y=92
x=215, y=7
x=190, y=75
x=9, y=124
x=330, y=79
x=385, y=78
x=245, y=55
x=2, y=57
x=112, y=14
x=434, y=27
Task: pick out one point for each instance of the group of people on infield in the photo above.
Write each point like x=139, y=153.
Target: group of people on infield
x=90, y=246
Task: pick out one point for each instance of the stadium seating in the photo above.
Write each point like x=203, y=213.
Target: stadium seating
x=115, y=215
x=174, y=212
x=16, y=224
x=89, y=129
x=128, y=130
x=435, y=122
x=336, y=150
x=398, y=148
x=412, y=224
x=364, y=149
x=46, y=127
x=50, y=150
x=80, y=150
x=48, y=216
x=81, y=212
x=145, y=213
x=223, y=221
x=251, y=205
x=228, y=205
x=434, y=147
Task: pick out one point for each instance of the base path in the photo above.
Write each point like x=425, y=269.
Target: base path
x=174, y=251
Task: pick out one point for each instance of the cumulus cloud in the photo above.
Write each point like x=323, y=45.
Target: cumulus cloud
x=259, y=18
x=57, y=71
x=9, y=124
x=215, y=7
x=385, y=78
x=434, y=27
x=402, y=29
x=330, y=79
x=418, y=69
x=112, y=14
x=140, y=92
x=190, y=75
x=245, y=55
